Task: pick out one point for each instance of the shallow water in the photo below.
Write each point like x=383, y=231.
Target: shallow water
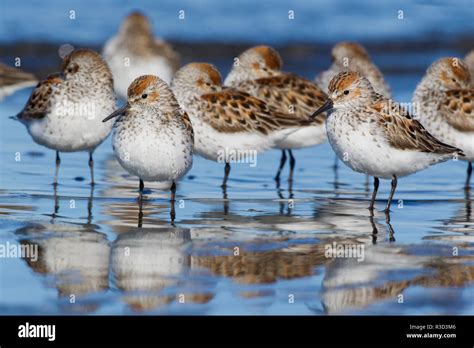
x=90, y=245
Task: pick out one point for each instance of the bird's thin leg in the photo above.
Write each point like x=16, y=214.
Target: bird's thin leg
x=58, y=162
x=292, y=165
x=173, y=195
x=468, y=177
x=374, y=193
x=392, y=191
x=91, y=167
x=141, y=188
x=282, y=164
x=226, y=174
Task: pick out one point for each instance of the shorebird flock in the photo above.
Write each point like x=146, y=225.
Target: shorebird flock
x=173, y=112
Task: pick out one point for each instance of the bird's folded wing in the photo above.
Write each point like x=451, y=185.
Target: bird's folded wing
x=457, y=109
x=40, y=100
x=232, y=111
x=405, y=133
x=289, y=93
x=187, y=123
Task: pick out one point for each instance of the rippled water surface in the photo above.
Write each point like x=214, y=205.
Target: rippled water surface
x=256, y=250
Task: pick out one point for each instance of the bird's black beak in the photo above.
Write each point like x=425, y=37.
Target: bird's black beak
x=325, y=107
x=116, y=113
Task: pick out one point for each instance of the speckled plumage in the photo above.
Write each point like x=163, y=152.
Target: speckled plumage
x=375, y=135
x=225, y=118
x=134, y=51
x=64, y=112
x=444, y=104
x=153, y=138
x=258, y=72
x=350, y=56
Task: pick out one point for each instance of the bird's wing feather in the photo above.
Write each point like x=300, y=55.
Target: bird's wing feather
x=405, y=133
x=39, y=103
x=289, y=93
x=233, y=111
x=457, y=109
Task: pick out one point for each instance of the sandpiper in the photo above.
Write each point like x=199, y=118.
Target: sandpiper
x=65, y=110
x=444, y=104
x=227, y=121
x=14, y=79
x=153, y=137
x=257, y=71
x=374, y=135
x=350, y=56
x=135, y=51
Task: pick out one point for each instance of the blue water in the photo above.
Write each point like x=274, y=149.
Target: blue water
x=245, y=20
x=281, y=242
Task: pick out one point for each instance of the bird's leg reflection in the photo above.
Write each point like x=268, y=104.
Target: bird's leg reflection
x=56, y=203
x=290, y=196
x=375, y=231
x=172, y=201
x=89, y=205
x=140, y=213
x=335, y=168
x=467, y=197
x=390, y=227
x=282, y=198
x=225, y=200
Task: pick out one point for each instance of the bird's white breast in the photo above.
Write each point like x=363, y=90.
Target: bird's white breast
x=74, y=124
x=153, y=153
x=363, y=147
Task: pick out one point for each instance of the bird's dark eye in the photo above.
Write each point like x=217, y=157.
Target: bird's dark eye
x=453, y=79
x=144, y=95
x=346, y=92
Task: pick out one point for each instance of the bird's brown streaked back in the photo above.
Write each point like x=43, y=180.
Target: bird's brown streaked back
x=457, y=108
x=232, y=111
x=39, y=103
x=405, y=133
x=288, y=92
